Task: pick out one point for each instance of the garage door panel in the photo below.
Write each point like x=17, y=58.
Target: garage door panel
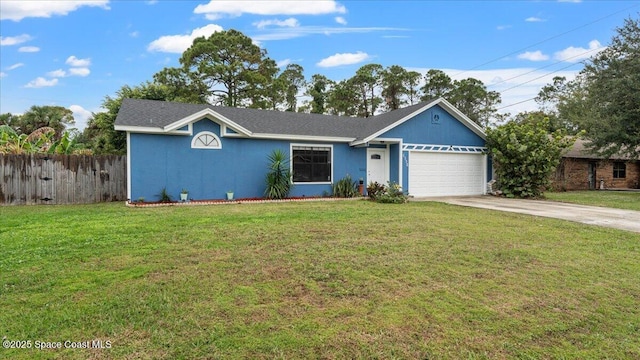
x=446, y=174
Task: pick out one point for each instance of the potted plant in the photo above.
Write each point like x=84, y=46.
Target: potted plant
x=361, y=186
x=184, y=195
x=229, y=194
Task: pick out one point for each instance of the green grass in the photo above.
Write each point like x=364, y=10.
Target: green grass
x=628, y=200
x=335, y=280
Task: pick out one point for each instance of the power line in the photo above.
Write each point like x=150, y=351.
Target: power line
x=516, y=103
x=547, y=39
x=544, y=67
x=537, y=78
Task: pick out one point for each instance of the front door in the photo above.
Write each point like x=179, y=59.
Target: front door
x=377, y=166
x=592, y=175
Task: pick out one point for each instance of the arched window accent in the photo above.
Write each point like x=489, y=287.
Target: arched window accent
x=206, y=140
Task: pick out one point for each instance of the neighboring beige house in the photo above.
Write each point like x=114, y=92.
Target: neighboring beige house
x=580, y=170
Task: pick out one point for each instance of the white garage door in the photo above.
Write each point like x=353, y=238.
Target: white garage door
x=446, y=174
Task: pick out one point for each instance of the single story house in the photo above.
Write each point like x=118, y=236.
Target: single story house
x=582, y=170
x=430, y=149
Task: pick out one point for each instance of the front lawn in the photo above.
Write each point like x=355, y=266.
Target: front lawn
x=348, y=279
x=628, y=200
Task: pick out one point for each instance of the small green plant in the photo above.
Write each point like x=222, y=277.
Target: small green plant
x=164, y=195
x=278, y=178
x=141, y=199
x=392, y=195
x=184, y=191
x=388, y=194
x=375, y=189
x=345, y=187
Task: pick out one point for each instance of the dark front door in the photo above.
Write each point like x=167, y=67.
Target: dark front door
x=592, y=175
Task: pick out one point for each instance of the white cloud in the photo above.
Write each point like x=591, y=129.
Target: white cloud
x=57, y=73
x=533, y=56
x=340, y=20
x=41, y=82
x=79, y=71
x=74, y=61
x=14, y=40
x=29, y=49
x=74, y=71
x=283, y=63
x=218, y=8
x=15, y=66
x=343, y=59
x=179, y=43
x=291, y=33
x=517, y=86
x=18, y=10
x=534, y=19
x=134, y=34
x=3, y=74
x=81, y=116
x=290, y=22
x=503, y=27
x=571, y=1
x=577, y=54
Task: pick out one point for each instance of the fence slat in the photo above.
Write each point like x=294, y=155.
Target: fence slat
x=73, y=179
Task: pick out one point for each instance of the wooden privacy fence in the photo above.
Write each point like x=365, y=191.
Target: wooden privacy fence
x=32, y=179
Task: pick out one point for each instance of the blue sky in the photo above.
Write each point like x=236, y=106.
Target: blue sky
x=74, y=53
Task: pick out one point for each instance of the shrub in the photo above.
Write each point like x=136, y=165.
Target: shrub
x=390, y=194
x=375, y=189
x=345, y=187
x=525, y=156
x=278, y=178
x=164, y=195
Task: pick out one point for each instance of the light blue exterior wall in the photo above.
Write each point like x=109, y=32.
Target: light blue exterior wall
x=423, y=129
x=159, y=161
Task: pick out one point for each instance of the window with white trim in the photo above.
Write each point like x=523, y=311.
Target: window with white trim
x=206, y=140
x=311, y=164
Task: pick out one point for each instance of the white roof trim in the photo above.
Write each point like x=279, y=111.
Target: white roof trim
x=149, y=130
x=301, y=137
x=445, y=105
x=202, y=114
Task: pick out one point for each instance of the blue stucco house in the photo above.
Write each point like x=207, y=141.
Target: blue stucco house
x=431, y=149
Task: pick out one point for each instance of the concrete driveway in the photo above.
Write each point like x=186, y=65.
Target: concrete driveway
x=592, y=215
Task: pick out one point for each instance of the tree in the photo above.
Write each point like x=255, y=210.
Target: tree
x=100, y=133
x=318, y=88
x=368, y=79
x=437, y=84
x=612, y=97
x=525, y=155
x=292, y=79
x=393, y=86
x=470, y=96
x=237, y=72
x=55, y=117
x=10, y=120
x=344, y=99
x=411, y=82
x=182, y=86
x=553, y=122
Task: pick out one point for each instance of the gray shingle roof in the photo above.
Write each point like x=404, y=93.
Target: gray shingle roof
x=158, y=114
x=580, y=150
